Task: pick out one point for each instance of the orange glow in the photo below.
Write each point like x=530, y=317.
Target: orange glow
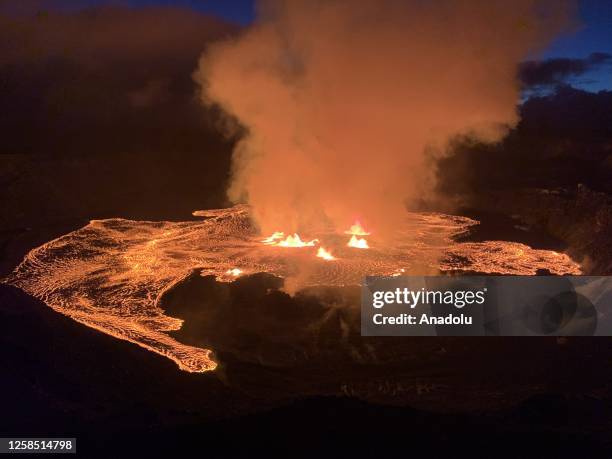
x=358, y=243
x=271, y=240
x=291, y=241
x=132, y=273
x=234, y=272
x=357, y=230
x=322, y=253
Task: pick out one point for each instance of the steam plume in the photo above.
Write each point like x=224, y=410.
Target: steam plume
x=344, y=101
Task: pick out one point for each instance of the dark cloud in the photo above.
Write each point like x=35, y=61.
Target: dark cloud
x=99, y=113
x=95, y=71
x=564, y=138
x=556, y=71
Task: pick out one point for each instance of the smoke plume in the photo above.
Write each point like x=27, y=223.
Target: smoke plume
x=345, y=103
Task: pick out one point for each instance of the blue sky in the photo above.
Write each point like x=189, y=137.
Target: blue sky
x=241, y=11
x=593, y=35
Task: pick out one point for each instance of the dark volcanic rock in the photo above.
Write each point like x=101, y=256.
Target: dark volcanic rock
x=580, y=217
x=61, y=378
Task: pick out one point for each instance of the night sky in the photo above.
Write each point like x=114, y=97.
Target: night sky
x=594, y=35
x=571, y=54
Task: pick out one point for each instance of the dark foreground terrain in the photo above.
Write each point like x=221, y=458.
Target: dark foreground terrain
x=493, y=397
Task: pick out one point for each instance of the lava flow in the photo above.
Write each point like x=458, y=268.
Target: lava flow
x=111, y=274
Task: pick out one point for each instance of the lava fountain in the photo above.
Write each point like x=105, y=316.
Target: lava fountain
x=358, y=243
x=325, y=254
x=290, y=241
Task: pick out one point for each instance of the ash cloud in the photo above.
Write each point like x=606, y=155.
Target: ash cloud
x=557, y=71
x=345, y=103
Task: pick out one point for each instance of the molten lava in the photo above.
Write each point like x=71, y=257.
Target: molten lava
x=358, y=243
x=357, y=230
x=291, y=241
x=322, y=253
x=272, y=240
x=110, y=276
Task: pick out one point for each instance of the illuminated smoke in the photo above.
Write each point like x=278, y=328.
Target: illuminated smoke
x=345, y=103
x=357, y=230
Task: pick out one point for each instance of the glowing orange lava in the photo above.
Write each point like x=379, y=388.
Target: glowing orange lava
x=358, y=243
x=272, y=240
x=322, y=253
x=112, y=275
x=357, y=230
x=290, y=241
